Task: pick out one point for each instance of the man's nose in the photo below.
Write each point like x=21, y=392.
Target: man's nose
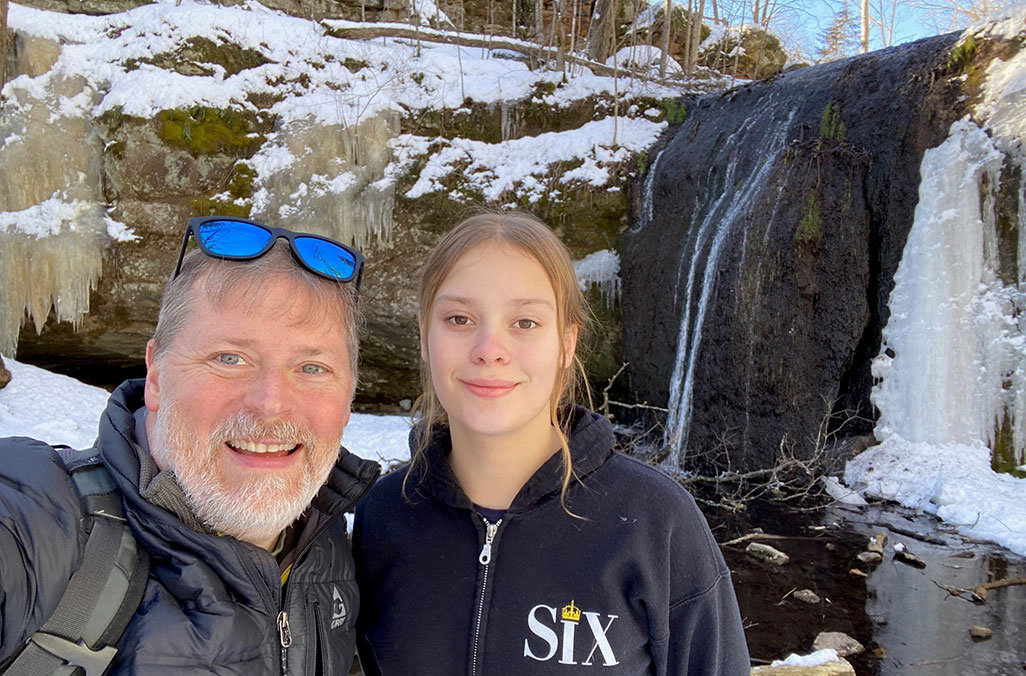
x=270, y=393
x=490, y=347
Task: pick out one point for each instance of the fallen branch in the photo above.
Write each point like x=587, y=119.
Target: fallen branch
x=978, y=594
x=763, y=536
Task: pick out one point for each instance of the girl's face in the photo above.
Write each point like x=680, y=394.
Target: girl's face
x=493, y=345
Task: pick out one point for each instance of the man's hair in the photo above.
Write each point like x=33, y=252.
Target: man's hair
x=224, y=280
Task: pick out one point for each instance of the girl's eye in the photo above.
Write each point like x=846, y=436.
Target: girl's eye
x=230, y=359
x=525, y=324
x=458, y=320
x=313, y=369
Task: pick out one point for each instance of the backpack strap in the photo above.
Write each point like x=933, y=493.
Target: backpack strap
x=102, y=595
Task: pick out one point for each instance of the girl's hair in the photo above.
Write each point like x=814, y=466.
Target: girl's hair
x=533, y=238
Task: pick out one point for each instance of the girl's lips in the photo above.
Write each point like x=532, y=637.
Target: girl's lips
x=489, y=389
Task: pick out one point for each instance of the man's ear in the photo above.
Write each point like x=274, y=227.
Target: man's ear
x=152, y=391
x=570, y=345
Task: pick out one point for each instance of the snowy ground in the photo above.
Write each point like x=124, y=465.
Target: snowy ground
x=61, y=410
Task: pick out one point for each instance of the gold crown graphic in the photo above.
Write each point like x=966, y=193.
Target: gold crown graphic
x=572, y=613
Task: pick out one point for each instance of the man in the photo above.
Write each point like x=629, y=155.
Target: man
x=228, y=463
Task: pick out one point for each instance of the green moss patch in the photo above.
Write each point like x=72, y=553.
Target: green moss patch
x=204, y=131
x=810, y=227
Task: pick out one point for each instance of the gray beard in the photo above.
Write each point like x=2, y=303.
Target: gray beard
x=268, y=504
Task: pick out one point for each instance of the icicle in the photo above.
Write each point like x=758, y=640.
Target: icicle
x=601, y=269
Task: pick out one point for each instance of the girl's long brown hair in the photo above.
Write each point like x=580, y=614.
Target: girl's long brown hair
x=533, y=238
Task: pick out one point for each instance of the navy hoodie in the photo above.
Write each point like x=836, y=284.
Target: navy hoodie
x=636, y=586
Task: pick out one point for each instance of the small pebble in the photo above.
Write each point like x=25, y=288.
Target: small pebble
x=980, y=633
x=807, y=596
x=858, y=573
x=870, y=557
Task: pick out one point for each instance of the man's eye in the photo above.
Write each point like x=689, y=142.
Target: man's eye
x=525, y=324
x=230, y=359
x=313, y=369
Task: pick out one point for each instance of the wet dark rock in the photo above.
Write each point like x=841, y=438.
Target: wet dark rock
x=763, y=552
x=837, y=640
x=777, y=214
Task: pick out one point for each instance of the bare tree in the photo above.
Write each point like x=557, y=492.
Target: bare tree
x=3, y=42
x=667, y=23
x=951, y=15
x=865, y=21
x=602, y=32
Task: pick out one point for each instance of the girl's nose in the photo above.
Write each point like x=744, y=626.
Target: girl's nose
x=490, y=348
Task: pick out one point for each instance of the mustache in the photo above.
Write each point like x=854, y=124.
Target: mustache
x=249, y=426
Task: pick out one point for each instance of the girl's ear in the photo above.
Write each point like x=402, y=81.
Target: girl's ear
x=570, y=345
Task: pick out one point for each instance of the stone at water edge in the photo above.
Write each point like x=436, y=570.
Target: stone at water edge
x=857, y=573
x=808, y=596
x=766, y=553
x=980, y=633
x=901, y=553
x=877, y=543
x=844, y=645
x=5, y=375
x=870, y=557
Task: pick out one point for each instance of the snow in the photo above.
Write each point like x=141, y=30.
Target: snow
x=954, y=482
x=644, y=58
x=519, y=166
x=825, y=656
x=61, y=410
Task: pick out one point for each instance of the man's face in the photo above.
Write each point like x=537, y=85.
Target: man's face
x=248, y=405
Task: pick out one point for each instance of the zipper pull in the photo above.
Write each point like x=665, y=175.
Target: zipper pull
x=285, y=636
x=486, y=551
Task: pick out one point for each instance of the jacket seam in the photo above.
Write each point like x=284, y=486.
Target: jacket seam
x=686, y=600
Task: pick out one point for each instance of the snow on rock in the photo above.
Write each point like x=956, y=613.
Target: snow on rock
x=644, y=58
x=825, y=656
x=518, y=166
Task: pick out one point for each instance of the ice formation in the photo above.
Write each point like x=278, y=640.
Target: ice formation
x=352, y=204
x=53, y=224
x=952, y=367
x=601, y=269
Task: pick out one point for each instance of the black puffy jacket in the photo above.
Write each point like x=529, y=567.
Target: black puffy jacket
x=212, y=603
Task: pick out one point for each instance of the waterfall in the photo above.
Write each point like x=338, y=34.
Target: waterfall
x=729, y=205
x=952, y=367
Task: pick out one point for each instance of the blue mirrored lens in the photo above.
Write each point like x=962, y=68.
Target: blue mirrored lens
x=326, y=258
x=233, y=238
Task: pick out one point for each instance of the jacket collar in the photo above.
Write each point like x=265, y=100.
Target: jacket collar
x=591, y=443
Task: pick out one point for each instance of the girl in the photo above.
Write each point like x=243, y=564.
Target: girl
x=517, y=541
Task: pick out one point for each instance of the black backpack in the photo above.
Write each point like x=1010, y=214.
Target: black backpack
x=80, y=637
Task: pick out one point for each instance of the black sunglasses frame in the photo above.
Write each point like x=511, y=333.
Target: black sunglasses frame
x=276, y=233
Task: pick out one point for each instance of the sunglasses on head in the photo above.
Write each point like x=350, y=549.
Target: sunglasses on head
x=237, y=239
